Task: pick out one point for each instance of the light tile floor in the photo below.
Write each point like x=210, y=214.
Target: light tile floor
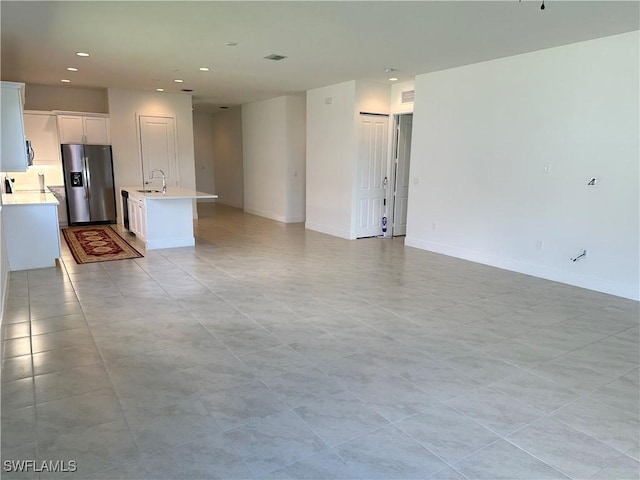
x=268, y=351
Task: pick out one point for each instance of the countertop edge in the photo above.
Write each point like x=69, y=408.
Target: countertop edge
x=36, y=199
x=173, y=193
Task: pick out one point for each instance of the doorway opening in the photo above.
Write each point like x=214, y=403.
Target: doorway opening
x=400, y=163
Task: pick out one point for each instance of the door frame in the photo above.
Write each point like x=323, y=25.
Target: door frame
x=394, y=130
x=385, y=167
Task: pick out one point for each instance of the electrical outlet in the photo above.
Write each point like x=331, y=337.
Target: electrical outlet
x=539, y=245
x=547, y=168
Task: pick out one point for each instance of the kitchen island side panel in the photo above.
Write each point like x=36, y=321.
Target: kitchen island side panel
x=169, y=223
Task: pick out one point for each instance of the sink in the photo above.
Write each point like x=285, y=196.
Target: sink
x=149, y=191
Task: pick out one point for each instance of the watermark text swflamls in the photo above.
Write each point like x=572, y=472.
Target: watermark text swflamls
x=58, y=466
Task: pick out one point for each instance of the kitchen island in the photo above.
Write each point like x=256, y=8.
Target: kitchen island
x=31, y=229
x=162, y=219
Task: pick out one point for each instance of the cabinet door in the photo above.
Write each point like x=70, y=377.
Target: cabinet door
x=143, y=221
x=13, y=157
x=70, y=129
x=96, y=130
x=42, y=131
x=132, y=206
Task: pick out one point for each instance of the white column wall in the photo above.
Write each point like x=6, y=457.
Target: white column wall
x=271, y=157
x=331, y=153
x=483, y=136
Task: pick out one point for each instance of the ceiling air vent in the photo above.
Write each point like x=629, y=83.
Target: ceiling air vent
x=187, y=90
x=275, y=57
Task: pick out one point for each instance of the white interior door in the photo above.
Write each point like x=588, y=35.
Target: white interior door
x=372, y=166
x=158, y=148
x=401, y=191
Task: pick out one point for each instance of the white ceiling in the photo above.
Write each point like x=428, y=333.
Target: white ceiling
x=145, y=45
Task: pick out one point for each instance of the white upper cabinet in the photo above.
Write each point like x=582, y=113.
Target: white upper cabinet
x=41, y=129
x=86, y=129
x=13, y=153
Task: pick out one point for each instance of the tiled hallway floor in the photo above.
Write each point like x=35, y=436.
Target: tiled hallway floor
x=268, y=351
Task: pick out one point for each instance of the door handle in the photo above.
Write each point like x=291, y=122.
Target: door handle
x=87, y=178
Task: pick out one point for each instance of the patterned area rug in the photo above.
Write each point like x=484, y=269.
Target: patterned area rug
x=97, y=243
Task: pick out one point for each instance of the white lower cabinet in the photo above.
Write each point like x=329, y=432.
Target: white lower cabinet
x=31, y=233
x=137, y=218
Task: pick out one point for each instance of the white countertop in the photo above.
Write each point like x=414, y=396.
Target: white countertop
x=173, y=193
x=29, y=198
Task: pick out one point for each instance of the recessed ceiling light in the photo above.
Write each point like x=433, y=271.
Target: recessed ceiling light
x=159, y=89
x=204, y=69
x=65, y=80
x=82, y=54
x=177, y=80
x=72, y=69
x=231, y=44
x=393, y=79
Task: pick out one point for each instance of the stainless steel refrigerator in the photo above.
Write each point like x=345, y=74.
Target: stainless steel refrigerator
x=88, y=182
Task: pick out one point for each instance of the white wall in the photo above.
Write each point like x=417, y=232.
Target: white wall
x=28, y=180
x=272, y=157
x=396, y=97
x=372, y=97
x=333, y=122
x=47, y=97
x=227, y=157
x=124, y=105
x=482, y=136
x=331, y=150
x=203, y=152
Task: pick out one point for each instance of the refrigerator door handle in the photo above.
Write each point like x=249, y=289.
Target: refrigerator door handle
x=87, y=178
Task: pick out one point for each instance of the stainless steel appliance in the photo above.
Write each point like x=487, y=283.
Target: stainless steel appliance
x=88, y=181
x=125, y=208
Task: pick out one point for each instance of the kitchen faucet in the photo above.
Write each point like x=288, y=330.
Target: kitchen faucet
x=164, y=181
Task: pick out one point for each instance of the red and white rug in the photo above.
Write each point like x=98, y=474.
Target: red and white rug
x=97, y=243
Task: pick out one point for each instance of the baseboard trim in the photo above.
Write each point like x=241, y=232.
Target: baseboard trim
x=578, y=280
x=334, y=232
x=170, y=243
x=273, y=216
